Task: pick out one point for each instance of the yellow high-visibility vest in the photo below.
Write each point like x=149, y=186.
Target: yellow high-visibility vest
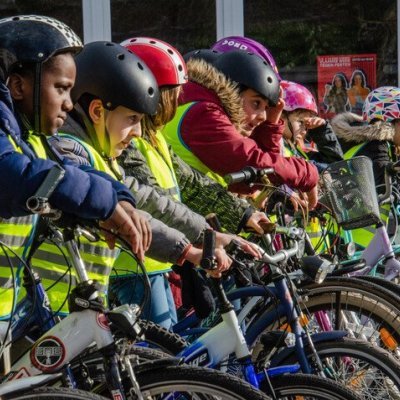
x=315, y=231
x=14, y=233
x=50, y=263
x=160, y=163
x=172, y=134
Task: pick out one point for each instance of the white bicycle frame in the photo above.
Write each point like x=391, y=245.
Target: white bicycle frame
x=66, y=340
x=69, y=338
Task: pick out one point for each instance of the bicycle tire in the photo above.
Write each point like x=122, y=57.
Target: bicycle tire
x=389, y=285
x=203, y=383
x=52, y=393
x=377, y=367
x=191, y=383
x=162, y=338
x=367, y=299
x=305, y=386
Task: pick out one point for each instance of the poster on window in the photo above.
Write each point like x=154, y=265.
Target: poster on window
x=344, y=82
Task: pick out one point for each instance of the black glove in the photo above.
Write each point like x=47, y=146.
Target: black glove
x=195, y=290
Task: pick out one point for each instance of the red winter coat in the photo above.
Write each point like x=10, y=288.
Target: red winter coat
x=209, y=130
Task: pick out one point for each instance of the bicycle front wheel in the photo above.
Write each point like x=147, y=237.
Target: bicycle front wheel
x=369, y=370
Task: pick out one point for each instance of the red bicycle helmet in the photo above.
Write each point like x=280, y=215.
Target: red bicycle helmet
x=164, y=60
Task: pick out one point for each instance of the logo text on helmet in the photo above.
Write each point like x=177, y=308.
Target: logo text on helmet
x=232, y=43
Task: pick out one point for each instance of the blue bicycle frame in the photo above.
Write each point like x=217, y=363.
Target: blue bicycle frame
x=220, y=341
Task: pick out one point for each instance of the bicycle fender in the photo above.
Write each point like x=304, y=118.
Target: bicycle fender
x=287, y=352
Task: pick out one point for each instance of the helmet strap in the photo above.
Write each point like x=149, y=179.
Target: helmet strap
x=37, y=125
x=107, y=141
x=290, y=126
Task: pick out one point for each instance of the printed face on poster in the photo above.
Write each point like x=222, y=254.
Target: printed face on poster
x=344, y=82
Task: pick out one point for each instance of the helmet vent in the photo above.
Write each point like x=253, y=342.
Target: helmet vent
x=152, y=42
x=109, y=44
x=269, y=80
x=151, y=91
x=133, y=40
x=15, y=19
x=140, y=66
x=180, y=68
x=121, y=56
x=170, y=51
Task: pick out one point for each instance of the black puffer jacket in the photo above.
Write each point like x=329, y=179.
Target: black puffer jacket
x=351, y=130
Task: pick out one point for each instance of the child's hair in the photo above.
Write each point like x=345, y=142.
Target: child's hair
x=166, y=110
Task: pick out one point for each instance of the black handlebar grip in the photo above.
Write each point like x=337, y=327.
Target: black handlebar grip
x=213, y=221
x=208, y=259
x=247, y=174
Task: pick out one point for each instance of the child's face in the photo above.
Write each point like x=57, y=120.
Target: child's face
x=296, y=119
x=55, y=100
x=57, y=80
x=254, y=106
x=122, y=125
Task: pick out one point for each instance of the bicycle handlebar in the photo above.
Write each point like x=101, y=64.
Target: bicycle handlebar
x=39, y=202
x=247, y=175
x=208, y=260
x=281, y=255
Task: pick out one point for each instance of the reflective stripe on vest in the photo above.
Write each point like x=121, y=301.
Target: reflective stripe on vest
x=172, y=134
x=288, y=151
x=50, y=263
x=14, y=233
x=363, y=236
x=123, y=263
x=163, y=170
x=160, y=163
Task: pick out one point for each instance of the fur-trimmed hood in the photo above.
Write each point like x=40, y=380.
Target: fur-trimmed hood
x=210, y=78
x=342, y=125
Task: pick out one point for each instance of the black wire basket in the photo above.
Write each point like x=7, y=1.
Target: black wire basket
x=349, y=191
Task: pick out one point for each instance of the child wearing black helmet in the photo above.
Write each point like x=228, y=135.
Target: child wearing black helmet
x=229, y=118
x=37, y=63
x=106, y=116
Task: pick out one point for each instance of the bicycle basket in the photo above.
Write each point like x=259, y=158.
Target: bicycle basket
x=349, y=190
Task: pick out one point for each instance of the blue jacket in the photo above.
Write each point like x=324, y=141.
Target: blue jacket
x=83, y=192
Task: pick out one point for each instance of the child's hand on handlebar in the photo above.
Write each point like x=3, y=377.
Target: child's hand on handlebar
x=254, y=222
x=131, y=226
x=312, y=197
x=223, y=262
x=141, y=223
x=223, y=239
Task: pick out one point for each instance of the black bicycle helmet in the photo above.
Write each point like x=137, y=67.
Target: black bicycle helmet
x=207, y=55
x=33, y=39
x=115, y=75
x=251, y=71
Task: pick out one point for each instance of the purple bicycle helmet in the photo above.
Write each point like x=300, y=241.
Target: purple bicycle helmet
x=230, y=43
